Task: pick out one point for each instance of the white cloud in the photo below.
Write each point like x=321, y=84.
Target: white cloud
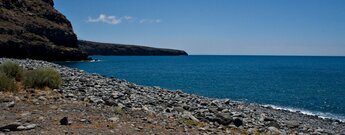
x=105, y=19
x=117, y=20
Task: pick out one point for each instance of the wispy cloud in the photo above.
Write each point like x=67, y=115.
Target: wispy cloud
x=128, y=17
x=105, y=19
x=102, y=18
x=150, y=21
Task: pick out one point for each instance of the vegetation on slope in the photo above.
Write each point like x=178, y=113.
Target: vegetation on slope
x=11, y=75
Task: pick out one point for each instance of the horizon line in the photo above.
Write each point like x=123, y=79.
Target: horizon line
x=281, y=55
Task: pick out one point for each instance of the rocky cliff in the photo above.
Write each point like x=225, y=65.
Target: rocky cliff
x=95, y=48
x=34, y=29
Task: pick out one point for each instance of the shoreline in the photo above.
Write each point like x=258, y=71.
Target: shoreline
x=321, y=115
x=82, y=86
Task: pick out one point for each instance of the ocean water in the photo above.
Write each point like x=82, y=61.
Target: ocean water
x=314, y=85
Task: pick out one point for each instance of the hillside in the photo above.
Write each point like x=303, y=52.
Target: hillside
x=95, y=48
x=34, y=29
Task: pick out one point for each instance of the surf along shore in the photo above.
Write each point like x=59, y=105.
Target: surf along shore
x=92, y=103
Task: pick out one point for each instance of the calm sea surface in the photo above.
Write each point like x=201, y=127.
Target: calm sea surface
x=308, y=84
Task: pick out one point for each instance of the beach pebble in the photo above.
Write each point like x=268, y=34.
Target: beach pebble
x=114, y=119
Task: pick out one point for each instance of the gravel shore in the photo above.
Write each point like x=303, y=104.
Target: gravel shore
x=218, y=114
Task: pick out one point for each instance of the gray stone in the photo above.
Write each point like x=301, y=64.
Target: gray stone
x=110, y=102
x=292, y=124
x=222, y=118
x=116, y=94
x=213, y=109
x=179, y=109
x=273, y=124
x=42, y=98
x=70, y=95
x=238, y=114
x=274, y=131
x=26, y=127
x=94, y=99
x=11, y=104
x=114, y=119
x=226, y=101
x=189, y=115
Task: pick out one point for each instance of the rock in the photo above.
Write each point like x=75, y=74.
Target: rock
x=189, y=115
x=273, y=124
x=65, y=121
x=226, y=101
x=17, y=99
x=85, y=121
x=44, y=34
x=110, y=102
x=202, y=110
x=168, y=110
x=268, y=119
x=274, y=131
x=202, y=129
x=319, y=130
x=24, y=114
x=252, y=131
x=96, y=100
x=70, y=95
x=6, y=130
x=10, y=127
x=26, y=127
x=179, y=109
x=11, y=104
x=238, y=122
x=42, y=98
x=238, y=114
x=116, y=95
x=292, y=124
x=186, y=107
x=147, y=109
x=114, y=119
x=5, y=100
x=213, y=109
x=224, y=118
x=41, y=118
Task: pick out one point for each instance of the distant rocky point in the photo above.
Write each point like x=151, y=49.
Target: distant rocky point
x=96, y=48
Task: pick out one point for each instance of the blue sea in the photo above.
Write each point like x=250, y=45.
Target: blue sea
x=313, y=85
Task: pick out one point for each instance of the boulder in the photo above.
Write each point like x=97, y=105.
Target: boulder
x=238, y=122
x=65, y=121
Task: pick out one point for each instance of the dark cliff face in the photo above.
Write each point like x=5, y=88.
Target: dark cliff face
x=95, y=48
x=34, y=29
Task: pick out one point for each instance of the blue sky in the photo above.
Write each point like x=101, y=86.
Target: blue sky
x=230, y=27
